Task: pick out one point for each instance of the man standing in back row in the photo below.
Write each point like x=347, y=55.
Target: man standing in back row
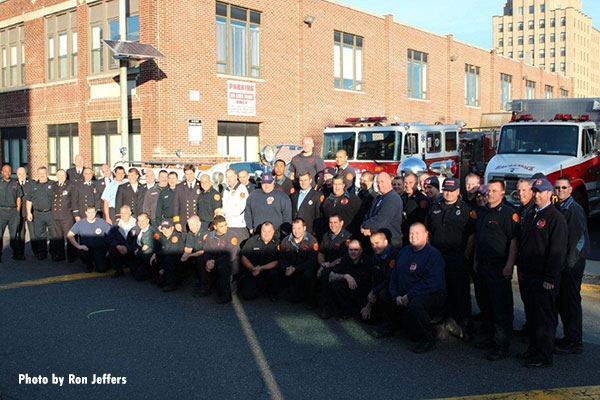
x=306, y=161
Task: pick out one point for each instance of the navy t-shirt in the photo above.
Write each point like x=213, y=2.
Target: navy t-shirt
x=92, y=234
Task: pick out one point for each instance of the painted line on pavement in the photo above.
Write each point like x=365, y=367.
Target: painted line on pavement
x=53, y=279
x=259, y=355
x=572, y=393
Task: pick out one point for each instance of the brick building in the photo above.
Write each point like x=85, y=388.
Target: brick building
x=272, y=60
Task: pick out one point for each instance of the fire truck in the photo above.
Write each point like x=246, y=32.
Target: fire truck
x=557, y=137
x=374, y=146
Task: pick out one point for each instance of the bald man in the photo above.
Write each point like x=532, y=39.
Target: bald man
x=385, y=214
x=343, y=169
x=306, y=161
x=75, y=173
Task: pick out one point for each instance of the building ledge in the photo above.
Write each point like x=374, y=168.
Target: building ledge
x=349, y=91
x=240, y=78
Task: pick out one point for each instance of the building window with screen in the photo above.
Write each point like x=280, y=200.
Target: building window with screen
x=14, y=147
x=529, y=89
x=12, y=56
x=548, y=92
x=106, y=143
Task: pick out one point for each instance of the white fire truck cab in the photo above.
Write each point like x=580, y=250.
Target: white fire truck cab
x=557, y=137
x=373, y=146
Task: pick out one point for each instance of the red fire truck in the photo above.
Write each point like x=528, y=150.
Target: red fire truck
x=374, y=146
x=555, y=137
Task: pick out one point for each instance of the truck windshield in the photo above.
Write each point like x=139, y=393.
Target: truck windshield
x=334, y=141
x=539, y=139
x=376, y=145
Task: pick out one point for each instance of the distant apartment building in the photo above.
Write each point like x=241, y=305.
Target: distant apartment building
x=555, y=35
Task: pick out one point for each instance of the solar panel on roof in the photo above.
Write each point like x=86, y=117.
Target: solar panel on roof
x=132, y=50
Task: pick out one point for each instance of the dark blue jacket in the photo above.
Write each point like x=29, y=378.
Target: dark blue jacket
x=418, y=273
x=385, y=214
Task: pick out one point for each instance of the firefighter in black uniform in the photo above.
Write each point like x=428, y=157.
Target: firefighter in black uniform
x=344, y=204
x=367, y=193
x=75, y=173
x=131, y=193
x=282, y=182
x=451, y=229
x=578, y=247
x=194, y=250
x=121, y=240
x=415, y=204
x=298, y=261
x=39, y=212
x=62, y=218
x=144, y=248
x=164, y=205
x=185, y=202
x=306, y=204
x=86, y=193
x=169, y=248
x=11, y=195
x=221, y=250
x=208, y=201
x=495, y=253
x=344, y=170
x=334, y=245
x=384, y=261
x=259, y=258
x=542, y=255
x=24, y=224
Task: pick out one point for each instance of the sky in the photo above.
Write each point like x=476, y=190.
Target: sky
x=469, y=20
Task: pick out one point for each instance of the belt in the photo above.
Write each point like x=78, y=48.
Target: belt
x=47, y=210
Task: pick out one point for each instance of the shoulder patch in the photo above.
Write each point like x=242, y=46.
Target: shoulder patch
x=292, y=190
x=344, y=201
x=217, y=197
x=473, y=214
x=278, y=247
x=315, y=247
x=515, y=217
x=349, y=176
x=234, y=241
x=205, y=236
x=347, y=242
x=156, y=237
x=392, y=263
x=322, y=198
x=174, y=239
x=242, y=195
x=423, y=204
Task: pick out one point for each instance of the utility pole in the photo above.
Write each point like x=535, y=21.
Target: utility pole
x=123, y=82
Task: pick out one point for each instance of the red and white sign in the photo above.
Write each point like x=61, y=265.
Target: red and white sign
x=241, y=98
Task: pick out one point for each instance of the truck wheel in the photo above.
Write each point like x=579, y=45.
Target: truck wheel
x=580, y=198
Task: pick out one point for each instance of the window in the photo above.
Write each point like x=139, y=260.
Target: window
x=542, y=38
x=510, y=41
x=334, y=141
x=238, y=139
x=417, y=74
x=531, y=39
x=563, y=21
x=587, y=143
x=347, y=61
x=531, y=9
x=529, y=89
x=510, y=26
x=106, y=143
x=542, y=7
x=501, y=28
x=74, y=52
x=520, y=54
x=376, y=145
x=564, y=93
x=520, y=25
x=471, y=85
x=552, y=38
x=450, y=141
x=61, y=45
x=542, y=23
x=552, y=52
x=520, y=10
x=238, y=40
x=548, y=90
x=434, y=142
x=104, y=24
x=12, y=57
x=510, y=54
x=562, y=67
x=542, y=53
x=501, y=42
x=563, y=51
x=14, y=147
x=531, y=24
x=63, y=69
x=520, y=40
x=552, y=67
x=505, y=90
x=563, y=36
x=63, y=145
x=552, y=22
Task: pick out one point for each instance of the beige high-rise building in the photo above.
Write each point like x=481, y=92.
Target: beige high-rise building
x=555, y=35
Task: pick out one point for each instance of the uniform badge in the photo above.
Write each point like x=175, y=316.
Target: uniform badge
x=304, y=247
x=200, y=241
x=392, y=264
x=98, y=231
x=270, y=200
x=322, y=198
x=423, y=204
x=473, y=214
x=174, y=239
x=310, y=202
x=344, y=201
x=49, y=186
x=65, y=192
x=197, y=191
x=413, y=266
x=222, y=243
x=242, y=195
x=234, y=241
x=515, y=217
x=217, y=197
x=541, y=223
x=315, y=247
x=457, y=212
x=337, y=244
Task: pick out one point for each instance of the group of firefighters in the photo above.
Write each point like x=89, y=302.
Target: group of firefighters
x=403, y=255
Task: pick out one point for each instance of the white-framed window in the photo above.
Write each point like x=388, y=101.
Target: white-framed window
x=417, y=74
x=529, y=89
x=472, y=85
x=61, y=45
x=348, y=61
x=505, y=90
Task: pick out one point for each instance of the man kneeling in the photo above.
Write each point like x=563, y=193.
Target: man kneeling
x=259, y=259
x=92, y=246
x=121, y=241
x=417, y=286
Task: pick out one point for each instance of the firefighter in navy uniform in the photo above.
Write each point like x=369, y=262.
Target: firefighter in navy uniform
x=75, y=173
x=24, y=224
x=306, y=204
x=298, y=262
x=578, y=247
x=38, y=203
x=385, y=214
x=221, y=250
x=282, y=182
x=414, y=204
x=208, y=201
x=62, y=218
x=185, y=202
x=11, y=195
x=86, y=193
x=169, y=248
x=495, y=254
x=542, y=255
x=131, y=193
x=268, y=204
x=344, y=170
x=143, y=249
x=344, y=204
x=164, y=205
x=121, y=241
x=194, y=250
x=451, y=229
x=259, y=258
